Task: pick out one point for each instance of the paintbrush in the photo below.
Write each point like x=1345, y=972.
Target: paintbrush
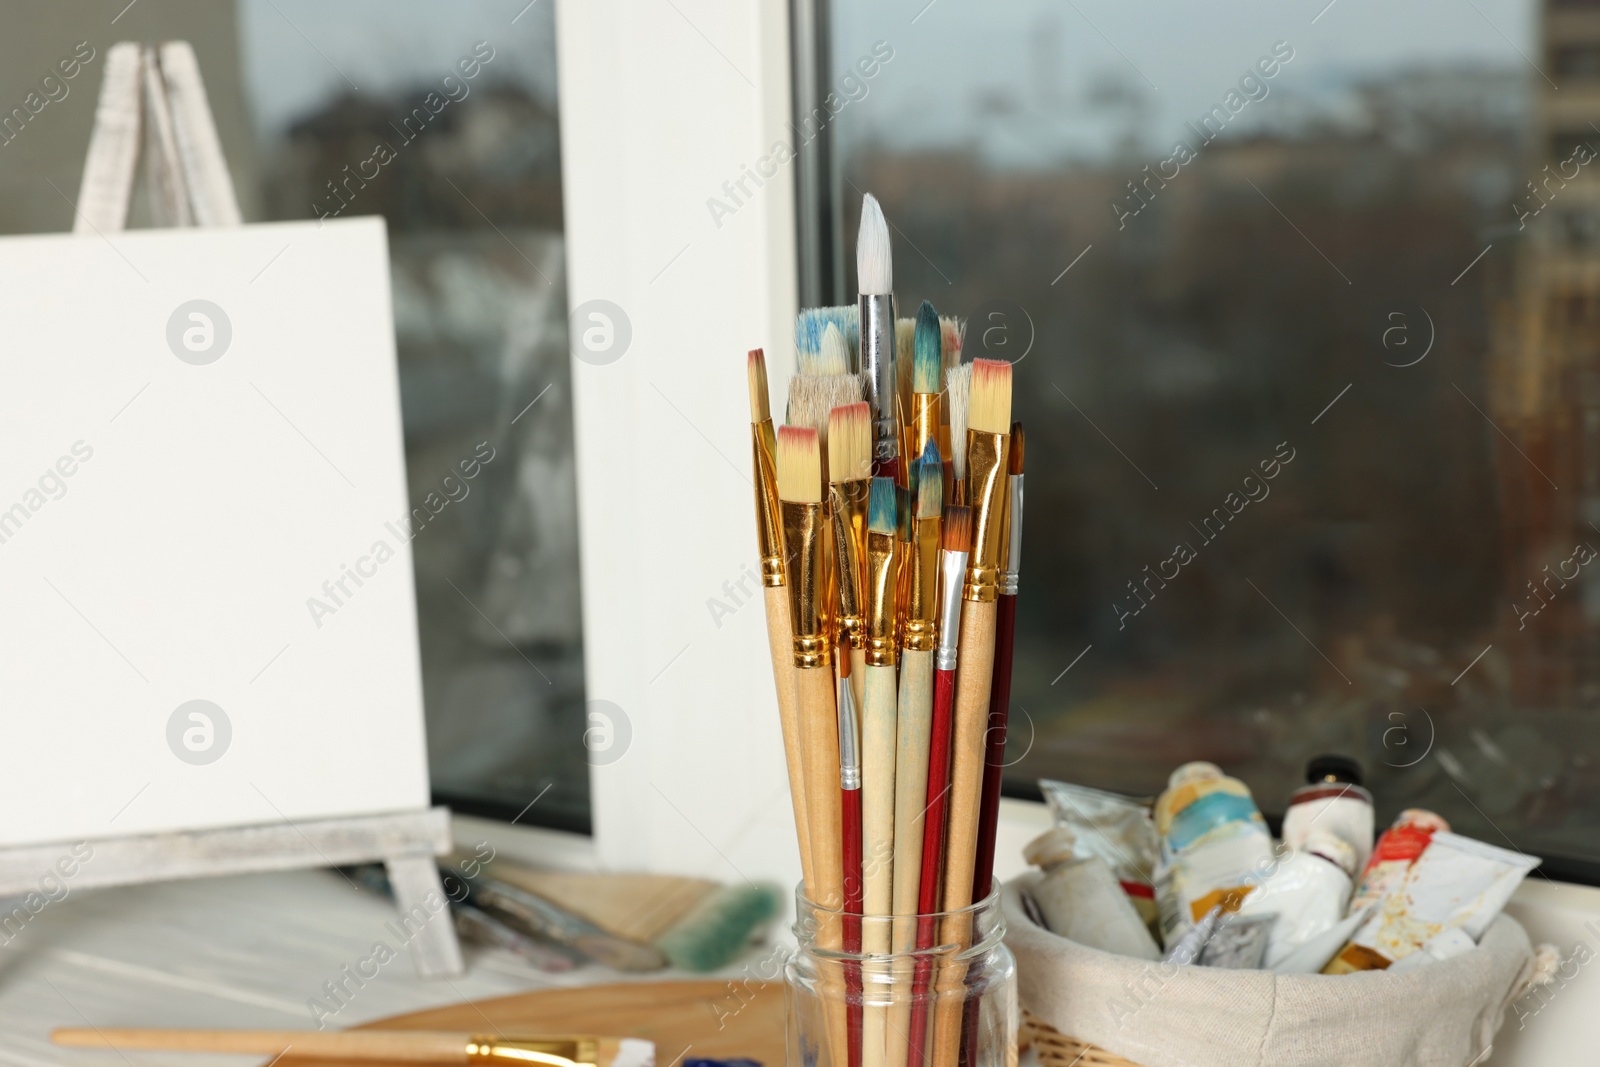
x=905, y=511
x=850, y=845
x=989, y=419
x=849, y=474
x=926, y=411
x=920, y=638
x=809, y=580
x=390, y=1046
x=905, y=333
x=811, y=323
x=879, y=716
x=875, y=279
x=850, y=839
x=1000, y=688
x=958, y=394
x=999, y=699
x=780, y=640
x=952, y=333
x=850, y=805
x=955, y=537
x=813, y=397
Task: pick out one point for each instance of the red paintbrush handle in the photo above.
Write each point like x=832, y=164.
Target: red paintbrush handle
x=933, y=830
x=850, y=839
x=850, y=846
x=995, y=743
x=938, y=807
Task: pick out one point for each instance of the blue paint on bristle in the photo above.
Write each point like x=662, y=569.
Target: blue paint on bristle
x=812, y=323
x=927, y=351
x=928, y=473
x=881, y=506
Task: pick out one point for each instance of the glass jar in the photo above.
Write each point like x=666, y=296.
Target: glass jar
x=928, y=991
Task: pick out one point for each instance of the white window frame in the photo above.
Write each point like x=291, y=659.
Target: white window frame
x=661, y=103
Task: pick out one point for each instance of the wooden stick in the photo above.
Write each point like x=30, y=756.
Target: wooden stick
x=780, y=641
x=910, y=803
x=878, y=727
x=973, y=678
x=819, y=736
x=413, y=1046
x=387, y=1046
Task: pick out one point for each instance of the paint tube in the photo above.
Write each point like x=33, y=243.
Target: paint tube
x=1456, y=883
x=1447, y=944
x=1394, y=854
x=1333, y=801
x=1313, y=955
x=1238, y=943
x=1215, y=846
x=1308, y=892
x=1081, y=900
x=1187, y=948
x=1118, y=830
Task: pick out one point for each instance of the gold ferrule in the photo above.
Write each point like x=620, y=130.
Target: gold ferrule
x=809, y=578
x=769, y=523
x=849, y=505
x=881, y=589
x=925, y=415
x=986, y=488
x=922, y=610
x=551, y=1051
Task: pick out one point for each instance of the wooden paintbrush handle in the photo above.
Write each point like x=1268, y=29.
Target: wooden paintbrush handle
x=995, y=748
x=910, y=801
x=879, y=724
x=912, y=740
x=780, y=640
x=414, y=1046
x=974, y=674
x=819, y=735
x=974, y=670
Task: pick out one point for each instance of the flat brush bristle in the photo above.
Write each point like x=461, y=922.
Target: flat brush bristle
x=874, y=266
x=927, y=351
x=905, y=334
x=849, y=443
x=952, y=333
x=957, y=533
x=958, y=390
x=930, y=483
x=812, y=323
x=799, y=465
x=1014, y=458
x=881, y=506
x=990, y=407
x=756, y=373
x=905, y=512
x=811, y=399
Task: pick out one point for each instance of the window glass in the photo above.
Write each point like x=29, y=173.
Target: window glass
x=1305, y=317
x=441, y=118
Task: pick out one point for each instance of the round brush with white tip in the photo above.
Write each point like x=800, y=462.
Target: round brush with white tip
x=875, y=279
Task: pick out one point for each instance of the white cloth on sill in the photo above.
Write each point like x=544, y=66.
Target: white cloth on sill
x=1169, y=1015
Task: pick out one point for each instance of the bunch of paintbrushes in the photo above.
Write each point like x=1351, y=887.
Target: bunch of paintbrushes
x=889, y=516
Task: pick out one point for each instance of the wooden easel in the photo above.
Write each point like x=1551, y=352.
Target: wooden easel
x=154, y=95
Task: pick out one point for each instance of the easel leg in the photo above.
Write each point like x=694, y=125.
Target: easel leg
x=425, y=915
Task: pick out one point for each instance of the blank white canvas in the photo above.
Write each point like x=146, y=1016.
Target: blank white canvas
x=206, y=506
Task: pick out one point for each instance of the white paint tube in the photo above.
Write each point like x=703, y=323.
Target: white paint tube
x=1456, y=882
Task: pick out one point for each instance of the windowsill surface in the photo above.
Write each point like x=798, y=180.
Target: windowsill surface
x=250, y=951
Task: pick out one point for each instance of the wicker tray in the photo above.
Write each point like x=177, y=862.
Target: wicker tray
x=1056, y=1049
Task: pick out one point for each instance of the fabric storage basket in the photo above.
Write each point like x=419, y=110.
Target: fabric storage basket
x=1093, y=1008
